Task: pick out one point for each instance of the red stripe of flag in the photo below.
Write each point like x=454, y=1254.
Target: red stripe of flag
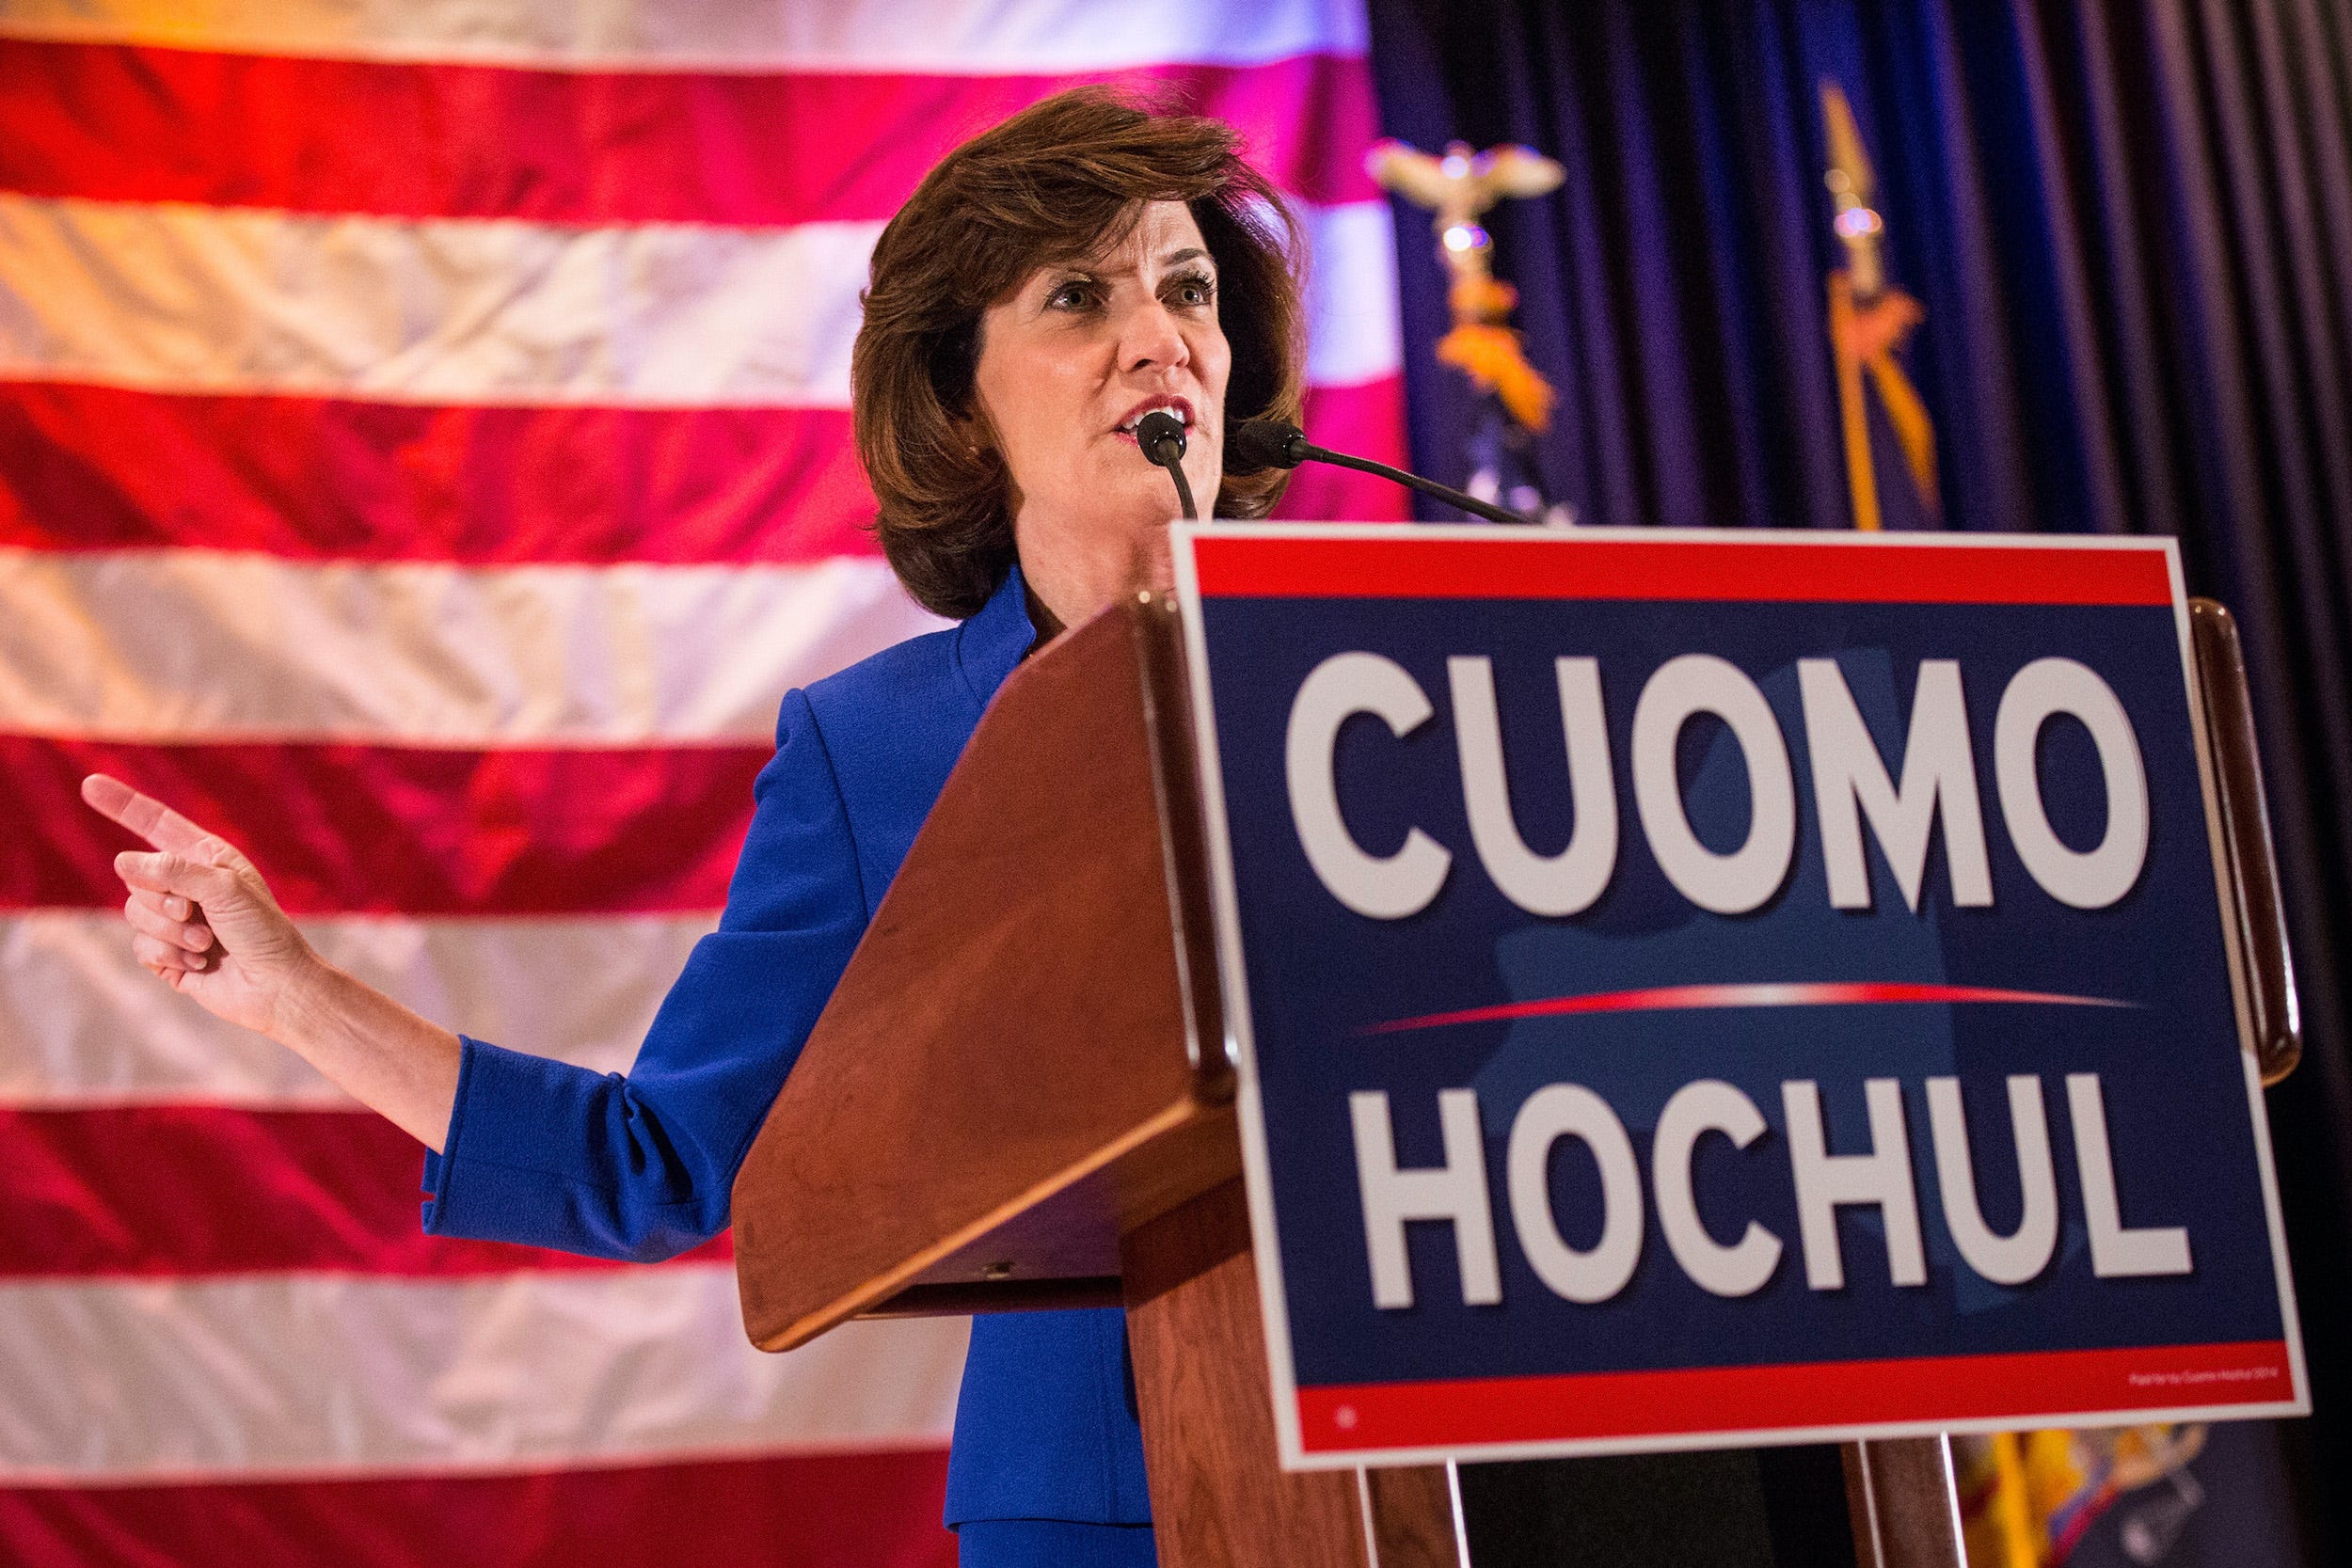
x=435, y=140
x=353, y=829
x=187, y=1190
x=1339, y=495
x=311, y=478
x=100, y=467
x=1732, y=1400
x=1366, y=419
x=1556, y=566
x=874, y=1510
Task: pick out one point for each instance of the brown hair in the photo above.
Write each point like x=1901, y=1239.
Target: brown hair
x=1049, y=184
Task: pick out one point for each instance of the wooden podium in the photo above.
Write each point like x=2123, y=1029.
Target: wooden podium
x=1020, y=1096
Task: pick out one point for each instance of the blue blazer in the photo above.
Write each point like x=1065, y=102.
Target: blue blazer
x=641, y=1166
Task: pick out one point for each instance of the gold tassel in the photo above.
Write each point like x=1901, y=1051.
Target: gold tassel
x=1913, y=433
x=1490, y=356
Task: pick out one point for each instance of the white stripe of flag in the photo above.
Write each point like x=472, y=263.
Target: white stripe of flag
x=83, y=1024
x=180, y=645
x=317, y=1375
x=171, y=297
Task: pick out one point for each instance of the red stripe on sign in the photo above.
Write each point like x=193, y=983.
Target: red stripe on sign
x=125, y=123
x=1366, y=419
x=352, y=828
x=1561, y=566
x=315, y=478
x=185, y=1190
x=1803, y=993
x=2059, y=1384
x=876, y=1510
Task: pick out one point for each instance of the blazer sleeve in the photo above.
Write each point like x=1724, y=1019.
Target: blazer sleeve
x=639, y=1166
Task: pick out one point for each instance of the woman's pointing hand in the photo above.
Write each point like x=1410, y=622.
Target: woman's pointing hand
x=207, y=924
x=205, y=921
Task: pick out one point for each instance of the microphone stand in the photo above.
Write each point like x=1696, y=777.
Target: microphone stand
x=1162, y=436
x=1461, y=499
x=1273, y=443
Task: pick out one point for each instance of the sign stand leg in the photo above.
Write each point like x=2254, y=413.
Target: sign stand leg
x=1413, y=1517
x=1900, y=1493
x=1219, y=1495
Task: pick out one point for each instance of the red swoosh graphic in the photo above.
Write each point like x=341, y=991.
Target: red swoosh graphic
x=1813, y=993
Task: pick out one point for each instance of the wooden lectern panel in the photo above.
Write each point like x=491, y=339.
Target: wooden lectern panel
x=1219, y=1495
x=1024, y=1058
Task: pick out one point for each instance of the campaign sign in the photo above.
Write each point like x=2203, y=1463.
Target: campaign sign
x=1701, y=989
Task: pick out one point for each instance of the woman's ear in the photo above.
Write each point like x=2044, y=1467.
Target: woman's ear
x=974, y=431
x=964, y=435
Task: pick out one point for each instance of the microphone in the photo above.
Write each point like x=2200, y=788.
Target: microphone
x=1161, y=435
x=1256, y=444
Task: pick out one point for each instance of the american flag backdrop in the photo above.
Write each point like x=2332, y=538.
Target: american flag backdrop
x=424, y=458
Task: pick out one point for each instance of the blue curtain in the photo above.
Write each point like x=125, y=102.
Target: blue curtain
x=2131, y=226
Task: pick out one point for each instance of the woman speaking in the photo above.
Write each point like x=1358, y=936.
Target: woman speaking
x=1048, y=284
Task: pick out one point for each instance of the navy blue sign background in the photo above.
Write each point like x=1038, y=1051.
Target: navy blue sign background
x=1318, y=976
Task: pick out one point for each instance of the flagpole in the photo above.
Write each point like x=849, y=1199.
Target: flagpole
x=1860, y=282
x=1861, y=478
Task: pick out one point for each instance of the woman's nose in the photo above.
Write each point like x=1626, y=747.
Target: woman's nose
x=1152, y=339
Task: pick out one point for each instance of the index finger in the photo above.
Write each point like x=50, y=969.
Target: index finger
x=145, y=815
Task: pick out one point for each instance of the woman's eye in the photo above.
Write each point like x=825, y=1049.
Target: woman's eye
x=1195, y=290
x=1071, y=296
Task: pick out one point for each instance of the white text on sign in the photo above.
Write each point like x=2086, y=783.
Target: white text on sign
x=1850, y=783
x=1455, y=1191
